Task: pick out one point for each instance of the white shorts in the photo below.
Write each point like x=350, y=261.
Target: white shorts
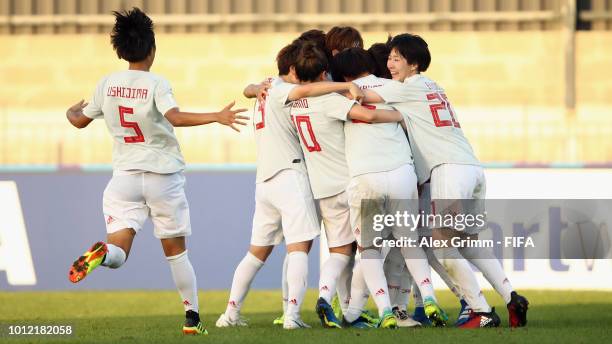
x=129, y=199
x=458, y=182
x=284, y=207
x=397, y=184
x=335, y=213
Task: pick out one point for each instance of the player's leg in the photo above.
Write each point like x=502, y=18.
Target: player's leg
x=169, y=211
x=449, y=185
x=343, y=287
x=125, y=212
x=354, y=315
x=265, y=234
x=401, y=186
x=293, y=198
x=371, y=263
x=285, y=288
x=336, y=219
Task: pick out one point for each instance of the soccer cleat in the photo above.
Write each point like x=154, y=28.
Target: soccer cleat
x=86, y=263
x=387, y=320
x=517, y=310
x=371, y=318
x=193, y=325
x=419, y=315
x=225, y=321
x=360, y=322
x=481, y=319
x=403, y=319
x=279, y=321
x=434, y=313
x=294, y=324
x=464, y=313
x=326, y=314
x=336, y=307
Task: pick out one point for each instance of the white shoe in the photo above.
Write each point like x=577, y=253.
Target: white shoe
x=292, y=324
x=405, y=320
x=226, y=321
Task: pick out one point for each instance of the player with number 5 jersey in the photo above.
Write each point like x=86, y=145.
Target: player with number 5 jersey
x=140, y=112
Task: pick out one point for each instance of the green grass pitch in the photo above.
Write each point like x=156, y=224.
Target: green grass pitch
x=156, y=317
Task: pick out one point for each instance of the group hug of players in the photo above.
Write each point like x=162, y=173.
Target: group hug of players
x=338, y=125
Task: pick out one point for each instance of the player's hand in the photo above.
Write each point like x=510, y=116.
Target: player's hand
x=229, y=117
x=77, y=109
x=262, y=90
x=356, y=93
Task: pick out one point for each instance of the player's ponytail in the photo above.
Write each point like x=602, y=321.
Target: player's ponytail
x=133, y=37
x=311, y=62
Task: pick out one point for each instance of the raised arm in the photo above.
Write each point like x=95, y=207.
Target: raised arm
x=324, y=87
x=257, y=90
x=364, y=114
x=76, y=117
x=226, y=116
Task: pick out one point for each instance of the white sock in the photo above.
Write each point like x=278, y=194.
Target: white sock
x=297, y=277
x=331, y=270
x=418, y=300
x=404, y=292
x=115, y=257
x=416, y=261
x=491, y=269
x=441, y=271
x=461, y=273
x=185, y=280
x=394, y=267
x=359, y=294
x=284, y=283
x=243, y=276
x=344, y=284
x=372, y=268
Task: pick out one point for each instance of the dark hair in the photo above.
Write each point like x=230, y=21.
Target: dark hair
x=132, y=36
x=311, y=62
x=379, y=52
x=287, y=57
x=413, y=48
x=351, y=63
x=315, y=36
x=343, y=37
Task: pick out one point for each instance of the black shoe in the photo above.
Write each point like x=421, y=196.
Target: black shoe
x=517, y=310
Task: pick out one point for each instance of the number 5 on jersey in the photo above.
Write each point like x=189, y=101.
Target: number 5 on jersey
x=139, y=137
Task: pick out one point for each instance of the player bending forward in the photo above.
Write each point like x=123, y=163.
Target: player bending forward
x=139, y=110
x=444, y=157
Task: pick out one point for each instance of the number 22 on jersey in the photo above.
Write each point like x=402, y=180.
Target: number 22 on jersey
x=139, y=137
x=443, y=105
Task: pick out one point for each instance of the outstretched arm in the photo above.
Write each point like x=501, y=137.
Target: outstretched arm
x=257, y=90
x=364, y=114
x=76, y=117
x=226, y=116
x=324, y=87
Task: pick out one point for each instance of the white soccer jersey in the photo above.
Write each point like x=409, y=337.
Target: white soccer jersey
x=433, y=128
x=320, y=125
x=375, y=147
x=278, y=146
x=133, y=104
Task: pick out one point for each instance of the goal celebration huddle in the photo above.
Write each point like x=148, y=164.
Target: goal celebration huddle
x=338, y=125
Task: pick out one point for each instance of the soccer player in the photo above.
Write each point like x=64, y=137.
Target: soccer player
x=320, y=123
x=380, y=164
x=445, y=158
x=284, y=206
x=140, y=111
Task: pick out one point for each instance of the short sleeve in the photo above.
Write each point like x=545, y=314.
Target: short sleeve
x=93, y=109
x=280, y=92
x=395, y=92
x=164, y=98
x=337, y=106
